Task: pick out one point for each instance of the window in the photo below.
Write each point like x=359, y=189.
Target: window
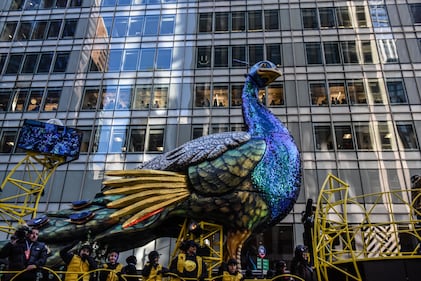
x=314, y=53
x=343, y=17
x=130, y=59
x=8, y=31
x=86, y=137
x=236, y=92
x=197, y=133
x=396, y=92
x=124, y=98
x=135, y=26
x=387, y=50
x=205, y=22
x=275, y=95
x=343, y=136
x=407, y=137
x=221, y=56
x=146, y=96
x=114, y=60
x=45, y=63
x=90, y=99
x=337, y=93
x=52, y=99
x=120, y=27
x=142, y=98
x=363, y=136
x=5, y=97
x=69, y=29
x=327, y=17
x=271, y=20
x=361, y=18
x=60, y=64
x=160, y=95
x=151, y=25
x=16, y=4
x=202, y=96
x=323, y=137
x=163, y=58
x=14, y=64
x=309, y=17
x=379, y=17
x=39, y=30
x=137, y=140
x=156, y=140
x=349, y=52
x=19, y=100
x=147, y=57
x=35, y=99
x=204, y=56
x=273, y=53
x=332, y=55
x=220, y=96
x=167, y=25
x=385, y=134
x=415, y=10
x=7, y=141
x=24, y=31
x=109, y=96
x=367, y=50
x=318, y=94
x=238, y=55
x=255, y=54
x=29, y=63
x=54, y=29
x=255, y=20
x=238, y=21
x=356, y=92
x=221, y=22
x=2, y=62
x=376, y=92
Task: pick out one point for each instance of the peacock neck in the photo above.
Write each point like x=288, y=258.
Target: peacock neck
x=259, y=120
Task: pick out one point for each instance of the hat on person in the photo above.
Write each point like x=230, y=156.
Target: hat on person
x=153, y=255
x=87, y=247
x=232, y=261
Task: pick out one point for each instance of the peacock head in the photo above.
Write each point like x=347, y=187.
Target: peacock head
x=264, y=72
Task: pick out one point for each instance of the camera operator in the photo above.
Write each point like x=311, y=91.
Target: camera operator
x=24, y=252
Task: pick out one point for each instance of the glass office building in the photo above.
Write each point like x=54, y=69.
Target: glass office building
x=141, y=77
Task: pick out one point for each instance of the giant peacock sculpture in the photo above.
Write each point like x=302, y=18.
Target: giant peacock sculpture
x=241, y=180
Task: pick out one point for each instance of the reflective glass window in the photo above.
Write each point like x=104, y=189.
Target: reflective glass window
x=407, y=137
x=327, y=17
x=135, y=26
x=238, y=55
x=255, y=54
x=16, y=4
x=131, y=57
x=69, y=28
x=332, y=54
x=396, y=92
x=19, y=100
x=151, y=25
x=323, y=137
x=361, y=16
x=236, y=92
x=39, y=30
x=109, y=96
x=24, y=31
x=124, y=98
x=204, y=56
x=29, y=63
x=255, y=20
x=262, y=96
x=343, y=17
x=271, y=20
x=54, y=29
x=238, y=21
x=142, y=98
x=106, y=22
x=318, y=94
x=163, y=58
x=8, y=31
x=63, y=3
x=221, y=22
x=376, y=92
x=221, y=56
x=156, y=140
x=86, y=138
x=45, y=63
x=137, y=140
x=385, y=135
x=114, y=60
x=349, y=52
x=120, y=26
x=314, y=53
x=387, y=50
x=275, y=95
x=367, y=50
x=14, y=64
x=202, y=95
x=197, y=133
x=167, y=25
x=5, y=98
x=52, y=99
x=2, y=62
x=205, y=22
x=76, y=3
x=35, y=99
x=90, y=98
x=32, y=4
x=60, y=64
x=273, y=53
x=309, y=17
x=337, y=93
x=379, y=17
x=160, y=96
x=118, y=139
x=108, y=3
x=220, y=96
x=7, y=141
x=415, y=10
x=343, y=136
x=356, y=92
x=147, y=56
x=363, y=136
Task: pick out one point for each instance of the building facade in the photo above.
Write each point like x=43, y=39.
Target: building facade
x=140, y=77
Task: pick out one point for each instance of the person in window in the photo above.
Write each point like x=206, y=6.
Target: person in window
x=156, y=104
x=187, y=264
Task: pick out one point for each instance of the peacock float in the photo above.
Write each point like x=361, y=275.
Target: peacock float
x=244, y=181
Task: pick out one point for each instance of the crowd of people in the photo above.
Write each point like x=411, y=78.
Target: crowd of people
x=26, y=257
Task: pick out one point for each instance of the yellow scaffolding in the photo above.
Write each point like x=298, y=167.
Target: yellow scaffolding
x=354, y=229
x=23, y=202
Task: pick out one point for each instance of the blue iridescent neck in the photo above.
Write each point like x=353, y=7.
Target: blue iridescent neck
x=260, y=121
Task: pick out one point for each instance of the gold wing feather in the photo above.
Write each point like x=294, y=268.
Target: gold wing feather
x=145, y=192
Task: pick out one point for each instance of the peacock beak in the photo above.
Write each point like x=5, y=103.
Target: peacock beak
x=268, y=75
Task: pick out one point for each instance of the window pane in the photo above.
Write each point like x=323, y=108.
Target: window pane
x=45, y=63
x=109, y=95
x=14, y=64
x=356, y=92
x=17, y=4
x=147, y=57
x=114, y=60
x=332, y=55
x=142, y=98
x=342, y=14
x=407, y=137
x=396, y=92
x=343, y=136
x=29, y=63
x=309, y=17
x=118, y=140
x=69, y=28
x=220, y=96
x=379, y=16
x=7, y=141
x=221, y=21
x=337, y=93
x=130, y=59
x=61, y=62
x=387, y=50
x=416, y=12
x=160, y=96
x=255, y=20
x=276, y=95
x=318, y=94
x=156, y=140
x=363, y=137
x=202, y=97
x=39, y=30
x=273, y=53
x=385, y=135
x=5, y=98
x=90, y=99
x=238, y=21
x=361, y=18
x=151, y=25
x=52, y=99
x=255, y=54
x=367, y=50
x=349, y=52
x=19, y=100
x=120, y=27
x=167, y=25
x=35, y=99
x=238, y=55
x=236, y=92
x=205, y=22
x=203, y=56
x=124, y=98
x=323, y=135
x=54, y=29
x=314, y=55
x=86, y=136
x=164, y=58
x=24, y=32
x=135, y=26
x=271, y=20
x=327, y=17
x=221, y=56
x=8, y=31
x=137, y=140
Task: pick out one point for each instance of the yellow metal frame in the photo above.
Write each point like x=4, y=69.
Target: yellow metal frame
x=37, y=170
x=211, y=236
x=355, y=229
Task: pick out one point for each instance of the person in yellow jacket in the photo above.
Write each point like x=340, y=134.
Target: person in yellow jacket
x=78, y=264
x=230, y=271
x=153, y=270
x=113, y=265
x=187, y=264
